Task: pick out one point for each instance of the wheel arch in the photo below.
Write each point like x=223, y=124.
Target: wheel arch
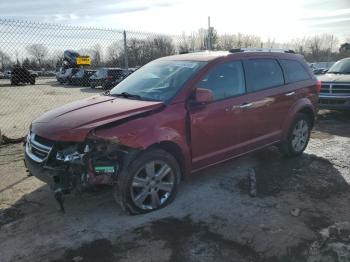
x=310, y=113
x=176, y=151
x=301, y=106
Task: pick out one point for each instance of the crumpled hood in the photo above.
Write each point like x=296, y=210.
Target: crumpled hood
x=336, y=78
x=73, y=121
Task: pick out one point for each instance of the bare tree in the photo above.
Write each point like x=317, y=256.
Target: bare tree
x=298, y=44
x=183, y=44
x=187, y=43
x=162, y=46
x=270, y=43
x=226, y=42
x=239, y=40
x=201, y=37
x=115, y=54
x=5, y=60
x=251, y=41
x=96, y=55
x=55, y=59
x=320, y=47
x=38, y=52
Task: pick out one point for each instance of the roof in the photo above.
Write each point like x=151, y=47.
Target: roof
x=198, y=56
x=211, y=55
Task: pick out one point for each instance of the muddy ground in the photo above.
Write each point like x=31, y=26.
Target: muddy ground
x=301, y=211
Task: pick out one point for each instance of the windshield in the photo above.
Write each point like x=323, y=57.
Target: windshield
x=341, y=67
x=158, y=80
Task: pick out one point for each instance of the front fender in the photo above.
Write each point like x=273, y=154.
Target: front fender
x=142, y=133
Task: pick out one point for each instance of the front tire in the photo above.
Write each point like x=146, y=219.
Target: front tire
x=298, y=136
x=150, y=182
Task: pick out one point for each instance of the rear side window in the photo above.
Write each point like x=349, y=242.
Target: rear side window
x=225, y=80
x=264, y=74
x=294, y=71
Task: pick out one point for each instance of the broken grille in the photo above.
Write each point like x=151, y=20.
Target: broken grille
x=38, y=148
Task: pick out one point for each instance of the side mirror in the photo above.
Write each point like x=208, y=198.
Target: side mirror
x=203, y=96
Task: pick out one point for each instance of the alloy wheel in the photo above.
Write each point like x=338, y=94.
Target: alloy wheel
x=300, y=135
x=152, y=185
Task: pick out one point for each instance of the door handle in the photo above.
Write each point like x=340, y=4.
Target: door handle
x=245, y=105
x=289, y=94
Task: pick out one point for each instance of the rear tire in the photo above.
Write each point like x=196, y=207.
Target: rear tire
x=32, y=81
x=148, y=183
x=298, y=136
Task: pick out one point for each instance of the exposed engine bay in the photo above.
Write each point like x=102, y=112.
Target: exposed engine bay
x=75, y=167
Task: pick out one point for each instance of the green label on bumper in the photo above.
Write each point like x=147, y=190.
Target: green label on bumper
x=104, y=169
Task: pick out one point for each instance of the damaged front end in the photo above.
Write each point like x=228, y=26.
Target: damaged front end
x=70, y=166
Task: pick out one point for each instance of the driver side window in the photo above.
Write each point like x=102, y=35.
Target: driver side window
x=225, y=80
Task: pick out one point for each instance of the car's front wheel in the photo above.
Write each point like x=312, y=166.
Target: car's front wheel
x=298, y=136
x=149, y=183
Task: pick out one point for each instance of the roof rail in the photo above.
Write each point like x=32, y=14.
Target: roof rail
x=237, y=50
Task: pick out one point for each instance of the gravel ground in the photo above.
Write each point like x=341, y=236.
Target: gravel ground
x=301, y=211
x=21, y=104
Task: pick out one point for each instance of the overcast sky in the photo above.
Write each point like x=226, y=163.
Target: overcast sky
x=278, y=19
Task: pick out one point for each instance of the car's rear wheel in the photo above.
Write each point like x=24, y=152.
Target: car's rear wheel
x=149, y=183
x=298, y=136
x=32, y=81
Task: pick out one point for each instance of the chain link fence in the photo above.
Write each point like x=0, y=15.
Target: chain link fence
x=39, y=70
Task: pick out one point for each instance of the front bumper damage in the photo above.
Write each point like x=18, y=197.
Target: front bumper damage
x=68, y=167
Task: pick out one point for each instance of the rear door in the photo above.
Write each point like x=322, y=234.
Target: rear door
x=297, y=79
x=215, y=127
x=268, y=102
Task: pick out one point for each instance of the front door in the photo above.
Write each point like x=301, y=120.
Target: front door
x=215, y=127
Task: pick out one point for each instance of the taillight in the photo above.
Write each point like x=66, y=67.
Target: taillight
x=318, y=86
x=109, y=77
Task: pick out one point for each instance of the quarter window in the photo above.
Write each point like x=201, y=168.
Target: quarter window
x=225, y=80
x=294, y=71
x=264, y=73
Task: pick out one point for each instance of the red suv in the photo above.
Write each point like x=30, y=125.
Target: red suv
x=173, y=117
